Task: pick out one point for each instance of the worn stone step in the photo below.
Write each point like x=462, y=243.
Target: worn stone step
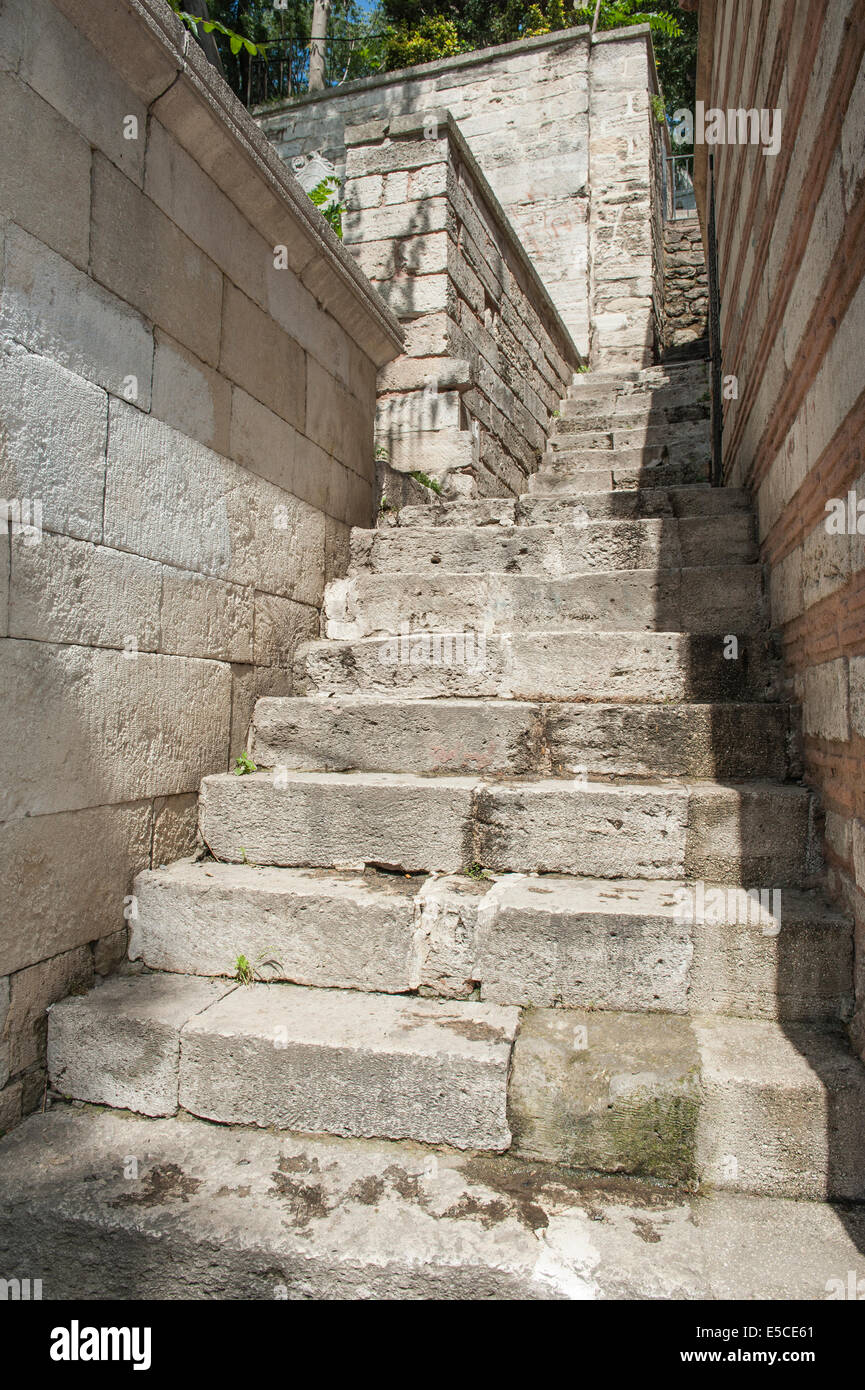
x=621, y=433
x=313, y=1060
x=214, y=1212
x=749, y=1105
x=516, y=738
x=670, y=947
x=549, y=665
x=577, y=547
x=783, y=1109
x=695, y=500
x=539, y=941
x=712, y=599
x=751, y=833
x=590, y=475
x=623, y=412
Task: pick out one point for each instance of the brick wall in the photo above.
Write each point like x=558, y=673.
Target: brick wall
x=791, y=237
x=487, y=358
x=188, y=429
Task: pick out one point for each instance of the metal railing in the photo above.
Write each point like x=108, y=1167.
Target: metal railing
x=284, y=72
x=682, y=201
x=715, y=351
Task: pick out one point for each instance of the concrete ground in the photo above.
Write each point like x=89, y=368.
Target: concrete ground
x=103, y=1204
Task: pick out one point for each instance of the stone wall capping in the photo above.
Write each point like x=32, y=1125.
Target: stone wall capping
x=197, y=106
x=581, y=33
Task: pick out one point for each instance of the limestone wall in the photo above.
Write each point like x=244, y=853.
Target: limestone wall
x=523, y=109
x=792, y=255
x=187, y=436
x=487, y=357
x=624, y=226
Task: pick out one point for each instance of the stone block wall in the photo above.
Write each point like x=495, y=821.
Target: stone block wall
x=523, y=110
x=791, y=238
x=188, y=361
x=625, y=250
x=487, y=357
x=686, y=283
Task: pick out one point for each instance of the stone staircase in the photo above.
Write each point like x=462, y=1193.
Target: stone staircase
x=493, y=875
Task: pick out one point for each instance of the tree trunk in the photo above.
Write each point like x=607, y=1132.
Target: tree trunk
x=318, y=34
x=206, y=41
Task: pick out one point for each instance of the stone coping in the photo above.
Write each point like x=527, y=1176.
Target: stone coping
x=161, y=61
x=409, y=124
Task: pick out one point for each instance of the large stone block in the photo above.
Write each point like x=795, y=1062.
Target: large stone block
x=64, y=590
x=825, y=700
x=583, y=944
x=607, y=1092
x=204, y=617
x=119, y=1045
x=190, y=396
x=61, y=313
x=337, y=422
x=178, y=185
x=63, y=67
x=265, y=361
x=174, y=500
x=139, y=254
x=331, y=931
x=590, y=829
x=43, y=151
x=102, y=727
x=66, y=878
x=350, y=1063
x=337, y=820
x=53, y=429
x=32, y=993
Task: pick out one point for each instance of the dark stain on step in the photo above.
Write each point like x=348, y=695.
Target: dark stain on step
x=470, y=1208
x=305, y=1201
x=167, y=1182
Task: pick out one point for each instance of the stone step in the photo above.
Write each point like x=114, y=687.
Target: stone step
x=713, y=599
x=593, y=666
x=623, y=412
x=313, y=1060
x=696, y=500
x=326, y=1210
x=746, y=1105
x=629, y=432
x=783, y=1109
x=577, y=547
x=742, y=1104
x=517, y=738
x=591, y=476
x=638, y=946
x=750, y=833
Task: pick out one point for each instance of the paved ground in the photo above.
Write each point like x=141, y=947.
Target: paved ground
x=228, y=1213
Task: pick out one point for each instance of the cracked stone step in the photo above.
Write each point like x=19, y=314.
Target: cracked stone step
x=538, y=941
x=226, y=1213
x=596, y=666
x=695, y=500
x=312, y=1060
x=606, y=411
x=517, y=738
x=749, y=1105
x=557, y=550
x=586, y=473
x=714, y=599
x=753, y=833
